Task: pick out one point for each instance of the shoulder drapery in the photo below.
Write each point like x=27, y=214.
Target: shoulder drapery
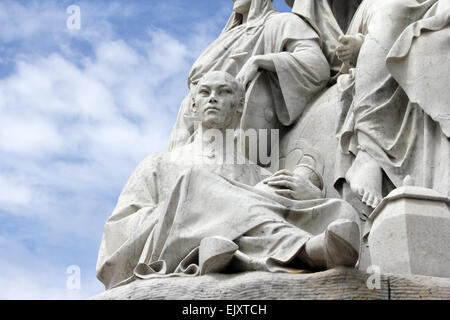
x=420, y=58
x=258, y=13
x=235, y=45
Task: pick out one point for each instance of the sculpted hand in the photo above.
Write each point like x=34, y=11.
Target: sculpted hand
x=293, y=186
x=349, y=49
x=248, y=71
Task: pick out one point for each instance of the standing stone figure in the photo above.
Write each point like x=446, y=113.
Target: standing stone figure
x=396, y=141
x=259, y=39
x=393, y=126
x=190, y=212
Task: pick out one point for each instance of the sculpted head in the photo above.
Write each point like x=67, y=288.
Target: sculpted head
x=242, y=6
x=219, y=100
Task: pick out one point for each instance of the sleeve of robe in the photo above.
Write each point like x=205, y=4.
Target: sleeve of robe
x=301, y=67
x=324, y=19
x=129, y=226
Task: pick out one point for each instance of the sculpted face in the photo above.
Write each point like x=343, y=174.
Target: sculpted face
x=218, y=100
x=242, y=6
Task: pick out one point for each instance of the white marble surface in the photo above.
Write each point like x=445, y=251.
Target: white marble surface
x=376, y=142
x=410, y=233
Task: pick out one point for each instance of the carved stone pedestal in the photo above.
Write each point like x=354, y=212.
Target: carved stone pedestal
x=340, y=283
x=410, y=233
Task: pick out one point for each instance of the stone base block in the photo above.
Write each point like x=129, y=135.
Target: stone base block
x=410, y=233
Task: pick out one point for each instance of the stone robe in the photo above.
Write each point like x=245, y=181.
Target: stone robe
x=174, y=200
x=301, y=68
x=419, y=56
x=378, y=114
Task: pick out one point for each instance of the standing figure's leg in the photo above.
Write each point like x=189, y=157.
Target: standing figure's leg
x=378, y=101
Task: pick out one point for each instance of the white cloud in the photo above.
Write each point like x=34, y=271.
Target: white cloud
x=21, y=22
x=17, y=194
x=26, y=276
x=107, y=112
x=73, y=126
x=25, y=283
x=28, y=135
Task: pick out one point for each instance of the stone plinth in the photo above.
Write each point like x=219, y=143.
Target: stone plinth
x=340, y=283
x=410, y=233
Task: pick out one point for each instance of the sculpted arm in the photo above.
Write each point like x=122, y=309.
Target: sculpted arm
x=253, y=65
x=299, y=184
x=296, y=48
x=304, y=182
x=349, y=48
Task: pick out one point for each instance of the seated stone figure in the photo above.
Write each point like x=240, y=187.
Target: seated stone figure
x=192, y=211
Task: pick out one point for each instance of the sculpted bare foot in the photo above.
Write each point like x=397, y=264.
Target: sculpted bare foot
x=364, y=178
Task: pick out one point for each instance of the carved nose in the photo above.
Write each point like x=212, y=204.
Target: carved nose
x=213, y=98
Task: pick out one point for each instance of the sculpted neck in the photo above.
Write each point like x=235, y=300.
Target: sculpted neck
x=244, y=18
x=213, y=137
x=220, y=141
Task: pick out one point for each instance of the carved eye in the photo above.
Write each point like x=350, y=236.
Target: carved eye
x=204, y=92
x=226, y=91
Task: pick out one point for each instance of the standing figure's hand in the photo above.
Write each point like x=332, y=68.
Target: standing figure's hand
x=248, y=71
x=349, y=48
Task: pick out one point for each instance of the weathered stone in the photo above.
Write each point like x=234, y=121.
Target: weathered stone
x=174, y=201
x=411, y=233
x=374, y=132
x=340, y=283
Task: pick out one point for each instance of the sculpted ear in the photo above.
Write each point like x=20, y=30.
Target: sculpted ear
x=240, y=98
x=193, y=107
x=241, y=104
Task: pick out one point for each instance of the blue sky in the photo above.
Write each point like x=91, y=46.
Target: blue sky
x=79, y=109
